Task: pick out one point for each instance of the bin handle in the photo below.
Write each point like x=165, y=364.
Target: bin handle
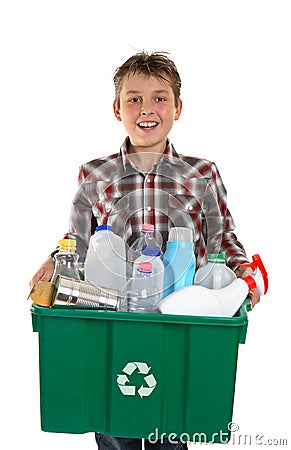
x=247, y=305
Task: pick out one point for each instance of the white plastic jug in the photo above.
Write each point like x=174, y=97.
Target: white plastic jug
x=105, y=263
x=201, y=301
x=215, y=274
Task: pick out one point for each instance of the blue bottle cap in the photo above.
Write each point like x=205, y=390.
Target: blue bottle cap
x=103, y=227
x=151, y=250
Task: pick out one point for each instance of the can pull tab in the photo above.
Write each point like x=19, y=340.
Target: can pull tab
x=259, y=273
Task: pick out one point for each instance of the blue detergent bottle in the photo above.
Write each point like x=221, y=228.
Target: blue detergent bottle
x=179, y=260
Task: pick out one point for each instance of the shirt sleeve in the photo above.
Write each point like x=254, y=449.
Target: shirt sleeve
x=82, y=221
x=219, y=223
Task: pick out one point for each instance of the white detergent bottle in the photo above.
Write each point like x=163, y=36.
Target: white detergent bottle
x=215, y=274
x=224, y=302
x=105, y=262
x=152, y=254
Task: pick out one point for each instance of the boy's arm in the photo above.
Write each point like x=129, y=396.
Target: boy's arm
x=219, y=222
x=220, y=229
x=81, y=223
x=234, y=250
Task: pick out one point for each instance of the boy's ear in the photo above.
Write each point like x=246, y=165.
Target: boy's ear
x=116, y=111
x=178, y=110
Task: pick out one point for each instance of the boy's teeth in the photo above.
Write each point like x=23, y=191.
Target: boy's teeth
x=147, y=124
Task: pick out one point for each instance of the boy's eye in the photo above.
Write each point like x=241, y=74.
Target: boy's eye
x=134, y=100
x=139, y=99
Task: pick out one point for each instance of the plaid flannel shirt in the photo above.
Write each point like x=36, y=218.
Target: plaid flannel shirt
x=179, y=191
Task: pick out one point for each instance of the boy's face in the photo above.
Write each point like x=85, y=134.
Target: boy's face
x=147, y=110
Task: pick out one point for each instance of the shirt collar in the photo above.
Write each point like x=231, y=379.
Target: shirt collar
x=170, y=156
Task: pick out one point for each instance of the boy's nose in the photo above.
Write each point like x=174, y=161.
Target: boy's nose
x=146, y=108
x=145, y=111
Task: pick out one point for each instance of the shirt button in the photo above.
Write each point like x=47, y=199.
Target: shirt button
x=149, y=208
x=190, y=207
x=148, y=180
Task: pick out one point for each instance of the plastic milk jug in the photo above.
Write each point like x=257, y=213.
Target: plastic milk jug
x=215, y=274
x=105, y=262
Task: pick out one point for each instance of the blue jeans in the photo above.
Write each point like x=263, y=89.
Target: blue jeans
x=106, y=442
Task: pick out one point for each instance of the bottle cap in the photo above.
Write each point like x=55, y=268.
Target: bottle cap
x=217, y=258
x=67, y=245
x=181, y=234
x=103, y=227
x=145, y=267
x=151, y=250
x=147, y=227
x=260, y=273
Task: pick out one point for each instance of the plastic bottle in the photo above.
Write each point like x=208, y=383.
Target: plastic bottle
x=105, y=262
x=140, y=292
x=259, y=273
x=148, y=237
x=215, y=274
x=66, y=260
x=152, y=254
x=179, y=260
x=224, y=302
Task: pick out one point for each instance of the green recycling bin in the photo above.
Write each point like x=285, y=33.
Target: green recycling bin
x=137, y=375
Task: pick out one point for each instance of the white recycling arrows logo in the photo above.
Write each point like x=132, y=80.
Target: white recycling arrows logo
x=145, y=389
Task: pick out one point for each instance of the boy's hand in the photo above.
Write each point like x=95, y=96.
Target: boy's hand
x=255, y=297
x=242, y=272
x=44, y=273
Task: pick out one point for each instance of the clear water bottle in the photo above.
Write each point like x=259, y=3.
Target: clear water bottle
x=105, y=263
x=66, y=260
x=148, y=237
x=152, y=254
x=140, y=292
x=179, y=260
x=215, y=274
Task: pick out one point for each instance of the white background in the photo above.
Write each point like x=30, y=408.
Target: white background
x=57, y=60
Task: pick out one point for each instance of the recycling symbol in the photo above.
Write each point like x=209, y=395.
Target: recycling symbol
x=145, y=389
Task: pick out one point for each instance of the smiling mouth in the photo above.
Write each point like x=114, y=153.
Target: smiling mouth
x=147, y=125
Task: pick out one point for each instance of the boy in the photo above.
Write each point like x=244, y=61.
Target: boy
x=148, y=182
